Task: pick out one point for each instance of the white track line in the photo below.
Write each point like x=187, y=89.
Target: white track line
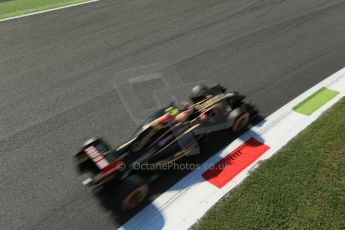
x=49, y=10
x=190, y=198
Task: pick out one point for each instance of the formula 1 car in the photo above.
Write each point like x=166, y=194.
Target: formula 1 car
x=172, y=133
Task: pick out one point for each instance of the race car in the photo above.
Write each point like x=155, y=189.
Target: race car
x=172, y=133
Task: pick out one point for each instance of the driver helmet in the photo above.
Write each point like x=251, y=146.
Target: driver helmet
x=199, y=92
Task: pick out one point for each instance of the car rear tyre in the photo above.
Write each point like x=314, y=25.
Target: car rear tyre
x=132, y=192
x=241, y=122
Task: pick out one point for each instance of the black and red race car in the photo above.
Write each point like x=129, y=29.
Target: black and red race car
x=172, y=133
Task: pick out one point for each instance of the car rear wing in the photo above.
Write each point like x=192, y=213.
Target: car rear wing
x=99, y=159
x=94, y=151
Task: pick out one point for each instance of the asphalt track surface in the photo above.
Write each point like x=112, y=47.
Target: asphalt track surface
x=58, y=71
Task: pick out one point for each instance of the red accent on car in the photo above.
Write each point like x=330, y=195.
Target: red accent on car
x=165, y=118
x=113, y=166
x=109, y=170
x=235, y=162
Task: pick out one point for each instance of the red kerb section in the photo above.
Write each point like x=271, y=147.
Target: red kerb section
x=235, y=162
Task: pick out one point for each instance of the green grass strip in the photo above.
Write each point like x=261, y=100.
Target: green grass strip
x=301, y=187
x=315, y=101
x=12, y=8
